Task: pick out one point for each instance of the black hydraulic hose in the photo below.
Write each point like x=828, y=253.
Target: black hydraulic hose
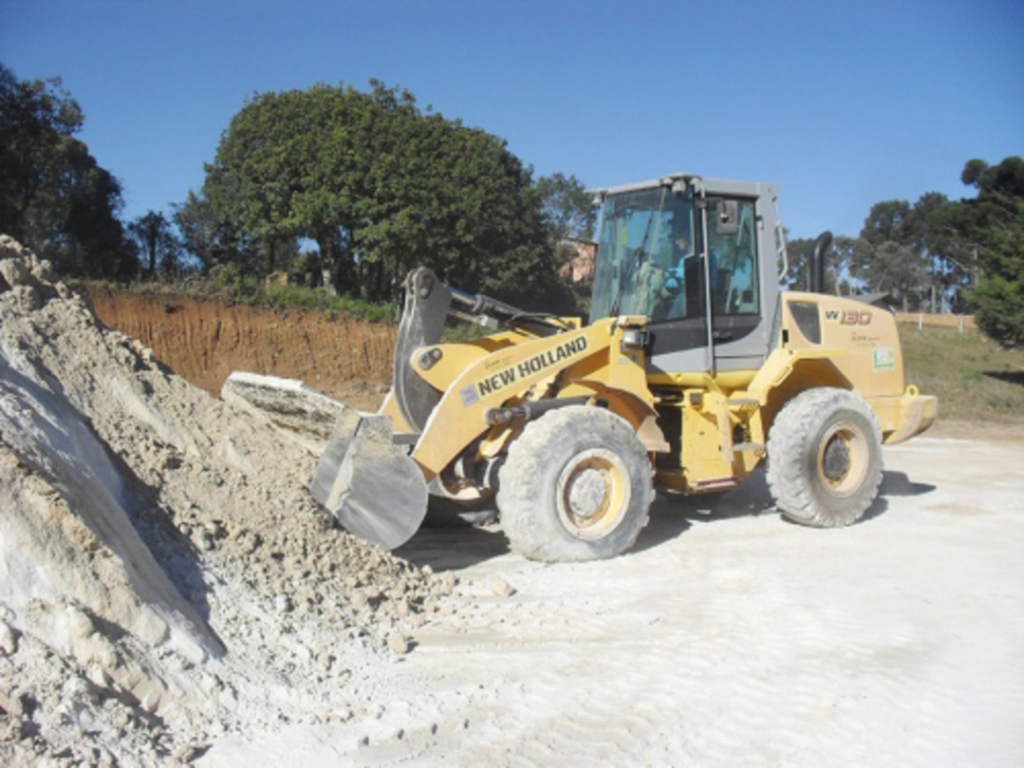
x=531, y=409
x=478, y=304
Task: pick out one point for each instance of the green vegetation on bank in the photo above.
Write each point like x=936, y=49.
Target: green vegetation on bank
x=974, y=378
x=255, y=293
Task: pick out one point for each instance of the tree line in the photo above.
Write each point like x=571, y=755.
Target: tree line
x=347, y=190
x=341, y=188
x=937, y=254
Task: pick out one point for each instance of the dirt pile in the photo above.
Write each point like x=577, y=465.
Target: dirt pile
x=164, y=576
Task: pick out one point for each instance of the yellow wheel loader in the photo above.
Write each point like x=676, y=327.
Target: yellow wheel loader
x=694, y=369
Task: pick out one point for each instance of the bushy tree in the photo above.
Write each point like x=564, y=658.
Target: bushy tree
x=998, y=214
x=197, y=229
x=54, y=197
x=381, y=187
x=208, y=240
x=894, y=262
x=999, y=296
x=890, y=221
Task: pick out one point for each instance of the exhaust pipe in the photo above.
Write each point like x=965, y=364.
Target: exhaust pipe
x=821, y=246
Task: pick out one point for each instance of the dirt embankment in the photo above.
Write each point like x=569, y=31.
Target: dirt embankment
x=205, y=340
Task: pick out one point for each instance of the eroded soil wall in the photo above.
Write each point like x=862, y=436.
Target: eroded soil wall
x=205, y=340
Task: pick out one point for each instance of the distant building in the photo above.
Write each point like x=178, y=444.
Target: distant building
x=577, y=257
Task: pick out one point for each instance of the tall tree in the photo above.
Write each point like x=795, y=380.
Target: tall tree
x=54, y=196
x=211, y=240
x=568, y=210
x=998, y=214
x=897, y=270
x=157, y=243
x=999, y=295
x=197, y=229
x=895, y=262
x=841, y=269
x=798, y=261
x=890, y=221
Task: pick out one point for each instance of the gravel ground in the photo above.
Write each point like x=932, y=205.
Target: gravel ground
x=729, y=636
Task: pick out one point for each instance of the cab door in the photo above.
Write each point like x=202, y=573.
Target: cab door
x=718, y=323
x=735, y=282
x=678, y=319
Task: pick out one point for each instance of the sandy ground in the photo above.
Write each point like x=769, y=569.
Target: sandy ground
x=729, y=636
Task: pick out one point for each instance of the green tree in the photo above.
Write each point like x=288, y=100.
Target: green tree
x=54, y=197
x=157, y=243
x=890, y=221
x=998, y=218
x=949, y=238
x=897, y=270
x=568, y=209
x=999, y=296
x=841, y=263
x=197, y=229
x=895, y=261
x=211, y=240
x=381, y=187
x=570, y=215
x=841, y=273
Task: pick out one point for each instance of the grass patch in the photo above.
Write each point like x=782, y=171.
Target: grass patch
x=973, y=377
x=254, y=293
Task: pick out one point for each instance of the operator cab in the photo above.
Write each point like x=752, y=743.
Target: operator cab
x=697, y=257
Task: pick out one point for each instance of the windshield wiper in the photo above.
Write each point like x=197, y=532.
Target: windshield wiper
x=628, y=274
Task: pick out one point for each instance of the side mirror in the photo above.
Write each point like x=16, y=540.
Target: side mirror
x=727, y=217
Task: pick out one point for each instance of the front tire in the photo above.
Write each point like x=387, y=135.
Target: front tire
x=825, y=458
x=576, y=486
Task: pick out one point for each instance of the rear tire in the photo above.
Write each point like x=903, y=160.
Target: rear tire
x=576, y=486
x=825, y=458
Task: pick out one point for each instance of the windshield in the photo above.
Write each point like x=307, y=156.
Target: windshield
x=645, y=250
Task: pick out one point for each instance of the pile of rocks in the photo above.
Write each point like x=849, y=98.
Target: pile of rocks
x=164, y=575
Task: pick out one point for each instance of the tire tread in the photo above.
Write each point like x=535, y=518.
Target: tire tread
x=791, y=433
x=520, y=497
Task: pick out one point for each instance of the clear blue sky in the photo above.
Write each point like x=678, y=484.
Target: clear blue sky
x=842, y=104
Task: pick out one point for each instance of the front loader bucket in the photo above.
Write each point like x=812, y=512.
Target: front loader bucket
x=370, y=485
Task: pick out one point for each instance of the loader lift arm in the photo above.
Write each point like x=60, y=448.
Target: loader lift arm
x=428, y=301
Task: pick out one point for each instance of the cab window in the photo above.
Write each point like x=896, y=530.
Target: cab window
x=733, y=266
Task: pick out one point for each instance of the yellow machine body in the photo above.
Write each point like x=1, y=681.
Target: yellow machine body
x=858, y=349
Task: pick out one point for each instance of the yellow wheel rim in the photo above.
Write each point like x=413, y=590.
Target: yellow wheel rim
x=843, y=458
x=593, y=494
